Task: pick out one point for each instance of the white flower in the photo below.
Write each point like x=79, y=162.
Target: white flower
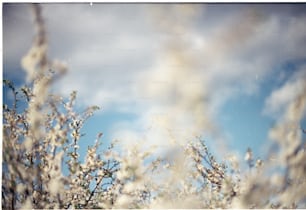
x=249, y=155
x=259, y=162
x=75, y=134
x=123, y=201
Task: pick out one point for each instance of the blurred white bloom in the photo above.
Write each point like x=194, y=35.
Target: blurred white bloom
x=234, y=162
x=21, y=188
x=59, y=65
x=167, y=165
x=259, y=163
x=237, y=203
x=28, y=203
x=31, y=60
x=200, y=167
x=55, y=186
x=123, y=201
x=75, y=135
x=249, y=155
x=28, y=142
x=276, y=179
x=122, y=174
x=130, y=187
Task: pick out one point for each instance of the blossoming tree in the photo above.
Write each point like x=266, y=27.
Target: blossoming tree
x=42, y=137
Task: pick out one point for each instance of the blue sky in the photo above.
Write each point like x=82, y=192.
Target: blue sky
x=223, y=71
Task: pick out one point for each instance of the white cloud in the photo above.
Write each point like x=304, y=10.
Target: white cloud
x=280, y=99
x=17, y=35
